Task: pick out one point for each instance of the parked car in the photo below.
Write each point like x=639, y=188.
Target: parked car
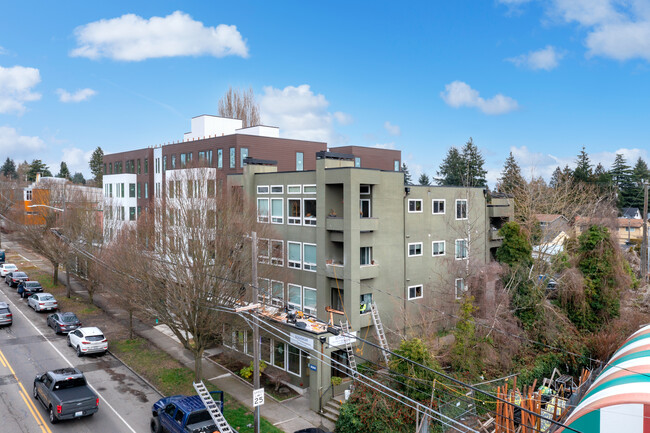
x=7, y=267
x=65, y=394
x=62, y=323
x=29, y=288
x=42, y=301
x=6, y=318
x=16, y=277
x=181, y=413
x=88, y=340
x=3, y=256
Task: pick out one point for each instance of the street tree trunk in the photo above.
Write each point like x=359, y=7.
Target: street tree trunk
x=130, y=324
x=68, y=288
x=198, y=365
x=55, y=274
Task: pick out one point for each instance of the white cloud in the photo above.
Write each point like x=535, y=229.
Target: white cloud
x=133, y=38
x=76, y=159
x=19, y=147
x=547, y=58
x=459, y=94
x=16, y=88
x=78, y=96
x=392, y=129
x=343, y=118
x=300, y=114
x=390, y=145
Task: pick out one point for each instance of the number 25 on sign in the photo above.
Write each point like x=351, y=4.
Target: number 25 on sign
x=258, y=397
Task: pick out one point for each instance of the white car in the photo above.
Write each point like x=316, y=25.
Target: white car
x=88, y=340
x=5, y=268
x=42, y=301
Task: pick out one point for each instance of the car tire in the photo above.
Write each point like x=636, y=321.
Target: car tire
x=35, y=393
x=69, y=343
x=53, y=418
x=155, y=425
x=79, y=353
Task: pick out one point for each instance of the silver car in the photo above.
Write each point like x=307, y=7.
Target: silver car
x=6, y=318
x=42, y=301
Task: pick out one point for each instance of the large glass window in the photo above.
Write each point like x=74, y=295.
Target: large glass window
x=146, y=165
x=415, y=205
x=293, y=360
x=364, y=208
x=396, y=165
x=263, y=210
x=299, y=161
x=139, y=188
x=278, y=354
x=174, y=161
x=461, y=209
x=294, y=255
x=132, y=213
x=309, y=257
x=232, y=157
x=415, y=249
x=366, y=255
x=461, y=249
x=220, y=158
x=265, y=352
x=310, y=211
x=277, y=288
x=277, y=211
x=243, y=154
x=415, y=292
x=438, y=248
x=277, y=253
x=146, y=190
x=263, y=250
x=309, y=296
x=459, y=287
x=139, y=167
x=364, y=303
x=132, y=190
x=438, y=207
x=357, y=162
x=294, y=215
x=295, y=296
x=309, y=189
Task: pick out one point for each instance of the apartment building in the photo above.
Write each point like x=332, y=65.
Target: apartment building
x=348, y=233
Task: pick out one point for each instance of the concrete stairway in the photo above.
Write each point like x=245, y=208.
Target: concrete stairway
x=332, y=408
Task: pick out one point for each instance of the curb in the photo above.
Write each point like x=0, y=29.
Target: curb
x=136, y=373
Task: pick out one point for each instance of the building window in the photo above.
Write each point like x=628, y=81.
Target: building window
x=110, y=168
x=461, y=209
x=294, y=216
x=309, y=297
x=173, y=161
x=28, y=195
x=299, y=161
x=201, y=155
x=309, y=189
x=396, y=165
x=366, y=255
x=122, y=190
x=219, y=158
x=209, y=156
x=132, y=213
x=461, y=249
x=164, y=164
x=364, y=208
x=146, y=190
x=293, y=189
x=415, y=249
x=278, y=354
x=364, y=303
x=336, y=299
x=438, y=248
x=309, y=206
x=293, y=360
x=183, y=160
x=170, y=189
x=415, y=205
x=110, y=190
x=357, y=162
x=295, y=296
x=232, y=157
x=263, y=286
x=263, y=210
x=277, y=253
x=139, y=167
x=309, y=257
x=364, y=189
x=459, y=287
x=243, y=154
x=146, y=164
x=262, y=189
x=277, y=291
x=263, y=250
x=415, y=292
x=277, y=189
x=438, y=207
x=294, y=255
x=139, y=190
x=277, y=210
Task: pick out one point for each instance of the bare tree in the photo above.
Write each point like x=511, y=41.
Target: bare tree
x=191, y=256
x=240, y=104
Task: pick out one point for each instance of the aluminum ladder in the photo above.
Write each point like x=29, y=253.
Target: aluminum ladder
x=379, y=328
x=345, y=326
x=213, y=408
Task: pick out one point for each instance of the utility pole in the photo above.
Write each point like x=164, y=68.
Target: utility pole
x=644, y=243
x=256, y=334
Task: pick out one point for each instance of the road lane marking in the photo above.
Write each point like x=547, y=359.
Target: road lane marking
x=70, y=364
x=30, y=404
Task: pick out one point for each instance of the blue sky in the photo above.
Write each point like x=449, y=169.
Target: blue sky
x=538, y=78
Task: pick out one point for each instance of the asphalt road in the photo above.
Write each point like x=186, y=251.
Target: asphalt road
x=29, y=347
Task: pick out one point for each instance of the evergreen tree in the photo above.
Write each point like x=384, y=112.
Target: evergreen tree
x=556, y=178
x=424, y=179
x=475, y=173
x=602, y=177
x=97, y=166
x=407, y=174
x=38, y=166
x=640, y=173
x=583, y=171
x=8, y=169
x=511, y=179
x=63, y=171
x=621, y=175
x=452, y=169
x=78, y=178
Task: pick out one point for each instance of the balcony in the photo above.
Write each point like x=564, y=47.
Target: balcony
x=499, y=210
x=495, y=236
x=335, y=270
x=368, y=224
x=334, y=223
x=369, y=271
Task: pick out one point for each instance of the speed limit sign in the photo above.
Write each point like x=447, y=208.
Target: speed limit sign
x=258, y=397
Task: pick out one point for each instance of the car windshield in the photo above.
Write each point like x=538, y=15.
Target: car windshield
x=4, y=310
x=70, y=383
x=19, y=274
x=10, y=267
x=99, y=337
x=69, y=318
x=32, y=284
x=47, y=298
x=198, y=417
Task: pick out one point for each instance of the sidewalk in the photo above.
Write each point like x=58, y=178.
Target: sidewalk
x=289, y=415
